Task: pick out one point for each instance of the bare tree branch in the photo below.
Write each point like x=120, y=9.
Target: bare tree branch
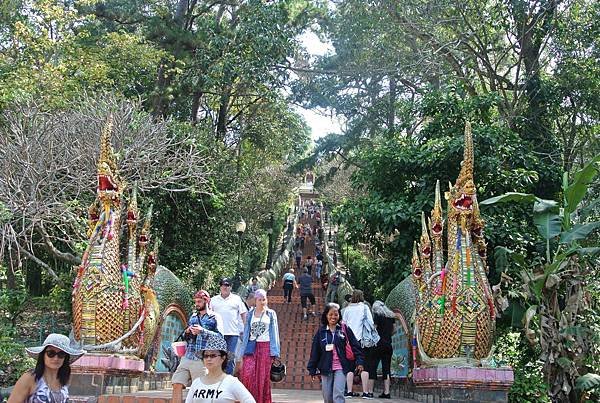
x=48, y=167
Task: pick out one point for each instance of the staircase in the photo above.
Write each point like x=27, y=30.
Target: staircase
x=296, y=334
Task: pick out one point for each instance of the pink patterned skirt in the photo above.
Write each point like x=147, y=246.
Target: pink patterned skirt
x=256, y=370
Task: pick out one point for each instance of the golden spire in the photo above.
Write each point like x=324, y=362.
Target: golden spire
x=132, y=209
x=416, y=263
x=424, y=232
x=106, y=153
x=466, y=169
x=436, y=222
x=145, y=232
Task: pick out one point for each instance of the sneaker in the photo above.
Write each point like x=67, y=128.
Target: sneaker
x=348, y=395
x=367, y=396
x=385, y=396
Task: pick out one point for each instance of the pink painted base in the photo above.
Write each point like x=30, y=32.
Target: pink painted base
x=107, y=363
x=492, y=378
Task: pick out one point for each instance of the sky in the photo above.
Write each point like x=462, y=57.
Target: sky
x=320, y=121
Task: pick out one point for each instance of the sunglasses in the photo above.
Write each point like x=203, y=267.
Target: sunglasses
x=52, y=354
x=211, y=355
x=226, y=285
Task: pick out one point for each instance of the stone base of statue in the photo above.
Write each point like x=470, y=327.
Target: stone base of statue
x=462, y=384
x=98, y=374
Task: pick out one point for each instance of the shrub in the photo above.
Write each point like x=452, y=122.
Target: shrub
x=529, y=386
x=14, y=361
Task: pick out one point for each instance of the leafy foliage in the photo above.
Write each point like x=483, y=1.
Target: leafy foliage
x=13, y=360
x=397, y=176
x=553, y=288
x=212, y=72
x=529, y=386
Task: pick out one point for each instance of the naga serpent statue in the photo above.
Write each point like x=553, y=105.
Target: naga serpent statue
x=452, y=302
x=115, y=306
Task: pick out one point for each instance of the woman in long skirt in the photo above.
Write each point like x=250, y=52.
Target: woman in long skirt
x=260, y=345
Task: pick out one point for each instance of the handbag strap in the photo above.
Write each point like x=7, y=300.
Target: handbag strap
x=180, y=337
x=365, y=320
x=345, y=331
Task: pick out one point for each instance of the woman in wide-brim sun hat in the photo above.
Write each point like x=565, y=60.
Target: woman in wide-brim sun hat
x=216, y=385
x=48, y=381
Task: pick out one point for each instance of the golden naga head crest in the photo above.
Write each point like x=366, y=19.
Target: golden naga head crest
x=417, y=268
x=109, y=182
x=436, y=224
x=132, y=208
x=425, y=241
x=144, y=237
x=462, y=194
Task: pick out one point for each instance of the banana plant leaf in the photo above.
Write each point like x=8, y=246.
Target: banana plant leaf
x=588, y=382
x=509, y=197
x=581, y=180
x=548, y=224
x=579, y=231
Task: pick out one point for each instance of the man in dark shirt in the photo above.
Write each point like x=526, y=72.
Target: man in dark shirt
x=306, y=293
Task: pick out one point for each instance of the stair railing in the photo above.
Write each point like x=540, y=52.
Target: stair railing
x=267, y=278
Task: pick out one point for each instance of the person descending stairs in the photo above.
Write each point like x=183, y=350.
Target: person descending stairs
x=296, y=333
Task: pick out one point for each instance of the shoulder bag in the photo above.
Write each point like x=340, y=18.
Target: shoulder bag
x=370, y=337
x=349, y=352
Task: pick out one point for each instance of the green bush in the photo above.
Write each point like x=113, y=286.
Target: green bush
x=12, y=304
x=529, y=386
x=14, y=361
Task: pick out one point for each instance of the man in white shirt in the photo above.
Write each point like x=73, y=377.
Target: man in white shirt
x=233, y=312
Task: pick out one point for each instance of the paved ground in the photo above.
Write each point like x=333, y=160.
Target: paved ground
x=287, y=396
x=313, y=396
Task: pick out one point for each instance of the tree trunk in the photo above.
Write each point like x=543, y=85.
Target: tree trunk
x=223, y=112
x=13, y=263
x=195, y=106
x=159, y=109
x=532, y=31
x=391, y=118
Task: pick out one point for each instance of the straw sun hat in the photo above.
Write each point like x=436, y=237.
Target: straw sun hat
x=59, y=341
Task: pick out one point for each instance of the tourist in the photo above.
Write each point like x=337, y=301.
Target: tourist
x=306, y=294
x=385, y=320
x=328, y=357
x=233, y=312
x=318, y=268
x=333, y=284
x=215, y=385
x=201, y=324
x=260, y=346
x=353, y=315
x=324, y=281
x=48, y=381
x=308, y=263
x=289, y=282
x=298, y=256
x=250, y=301
x=253, y=286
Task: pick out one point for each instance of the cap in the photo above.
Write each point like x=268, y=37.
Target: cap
x=204, y=295
x=225, y=281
